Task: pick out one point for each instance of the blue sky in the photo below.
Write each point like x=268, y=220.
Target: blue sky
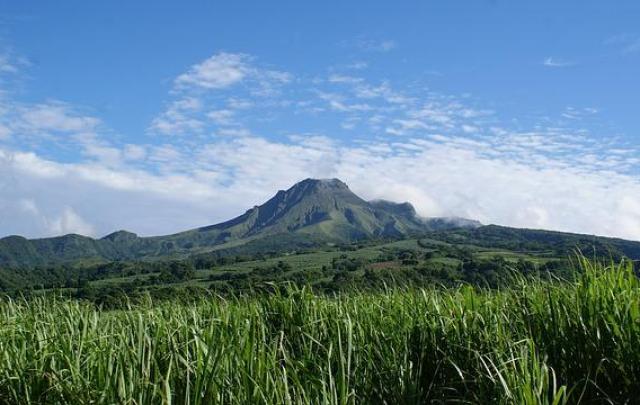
x=160, y=116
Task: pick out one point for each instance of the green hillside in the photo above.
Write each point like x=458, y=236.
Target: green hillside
x=316, y=221
x=312, y=212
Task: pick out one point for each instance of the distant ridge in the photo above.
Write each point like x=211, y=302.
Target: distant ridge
x=311, y=212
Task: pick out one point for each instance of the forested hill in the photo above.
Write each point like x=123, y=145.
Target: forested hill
x=557, y=243
x=310, y=213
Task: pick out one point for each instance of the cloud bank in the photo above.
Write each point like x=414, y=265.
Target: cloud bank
x=234, y=131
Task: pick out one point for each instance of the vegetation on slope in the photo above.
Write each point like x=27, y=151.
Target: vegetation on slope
x=310, y=212
x=365, y=266
x=536, y=342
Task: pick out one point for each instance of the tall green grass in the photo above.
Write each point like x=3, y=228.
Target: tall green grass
x=535, y=343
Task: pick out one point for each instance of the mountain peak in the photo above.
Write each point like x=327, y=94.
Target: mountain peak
x=120, y=236
x=329, y=188
x=325, y=183
x=404, y=208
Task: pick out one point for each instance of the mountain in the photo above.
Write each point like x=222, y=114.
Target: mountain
x=324, y=209
x=311, y=212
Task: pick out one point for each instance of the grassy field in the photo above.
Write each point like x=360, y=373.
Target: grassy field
x=316, y=260
x=304, y=261
x=534, y=343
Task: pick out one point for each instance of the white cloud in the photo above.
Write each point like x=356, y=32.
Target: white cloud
x=224, y=70
x=6, y=65
x=55, y=117
x=436, y=116
x=70, y=222
x=180, y=118
x=382, y=91
x=105, y=154
x=453, y=157
x=218, y=71
x=201, y=94
x=55, y=222
x=557, y=63
x=239, y=104
x=10, y=63
x=48, y=126
x=441, y=176
x=5, y=132
x=573, y=113
x=221, y=117
x=268, y=82
x=402, y=126
x=337, y=103
x=470, y=129
x=134, y=152
x=338, y=78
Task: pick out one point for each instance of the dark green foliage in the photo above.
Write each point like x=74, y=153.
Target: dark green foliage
x=554, y=243
x=344, y=263
x=177, y=271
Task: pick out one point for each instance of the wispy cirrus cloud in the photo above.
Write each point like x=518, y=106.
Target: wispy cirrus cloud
x=552, y=62
x=179, y=118
x=573, y=113
x=211, y=88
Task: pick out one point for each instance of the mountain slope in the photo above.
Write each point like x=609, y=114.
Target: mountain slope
x=311, y=212
x=560, y=243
